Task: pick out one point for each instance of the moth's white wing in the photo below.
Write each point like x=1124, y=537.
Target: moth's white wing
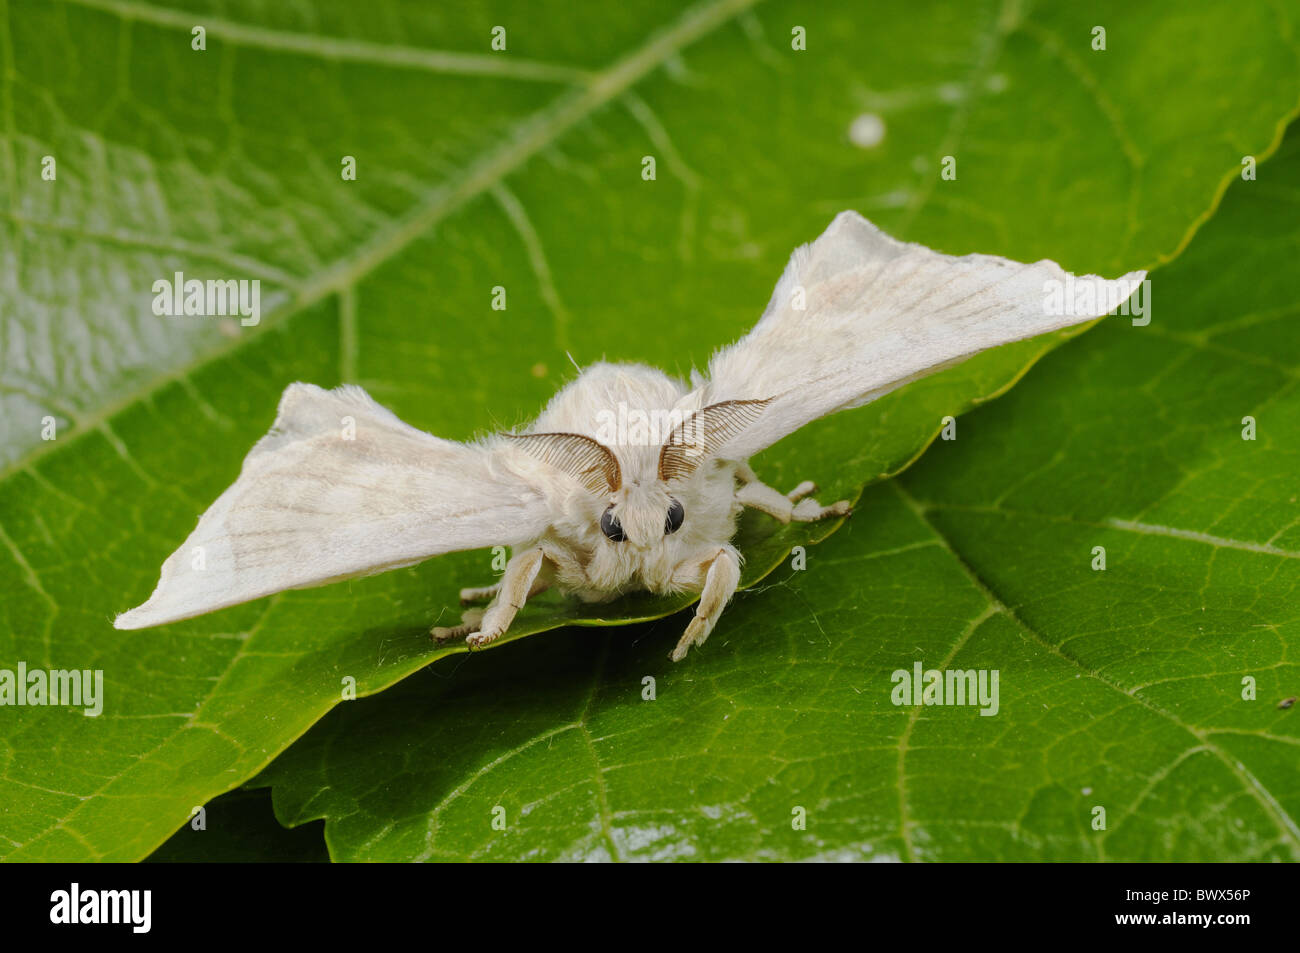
x=339, y=488
x=878, y=313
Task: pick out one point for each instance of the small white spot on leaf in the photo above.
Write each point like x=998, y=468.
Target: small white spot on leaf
x=867, y=131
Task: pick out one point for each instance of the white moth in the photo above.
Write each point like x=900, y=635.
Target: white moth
x=855, y=315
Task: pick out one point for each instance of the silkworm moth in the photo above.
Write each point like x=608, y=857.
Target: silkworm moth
x=855, y=315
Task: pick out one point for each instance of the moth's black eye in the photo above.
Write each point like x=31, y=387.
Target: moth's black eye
x=610, y=526
x=675, y=516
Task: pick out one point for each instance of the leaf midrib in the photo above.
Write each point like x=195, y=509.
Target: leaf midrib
x=340, y=49
x=527, y=139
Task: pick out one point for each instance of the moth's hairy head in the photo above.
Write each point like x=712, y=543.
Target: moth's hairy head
x=652, y=519
x=650, y=533
x=640, y=514
x=677, y=487
x=663, y=485
x=635, y=468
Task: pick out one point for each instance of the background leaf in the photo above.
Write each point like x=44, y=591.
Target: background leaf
x=240, y=829
x=476, y=170
x=1121, y=689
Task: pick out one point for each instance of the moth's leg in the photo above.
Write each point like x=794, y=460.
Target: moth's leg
x=479, y=593
x=786, y=507
x=746, y=474
x=513, y=591
x=720, y=583
x=802, y=490
x=469, y=622
x=480, y=626
x=486, y=593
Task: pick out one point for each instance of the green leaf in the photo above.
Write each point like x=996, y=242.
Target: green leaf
x=1123, y=689
x=477, y=169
